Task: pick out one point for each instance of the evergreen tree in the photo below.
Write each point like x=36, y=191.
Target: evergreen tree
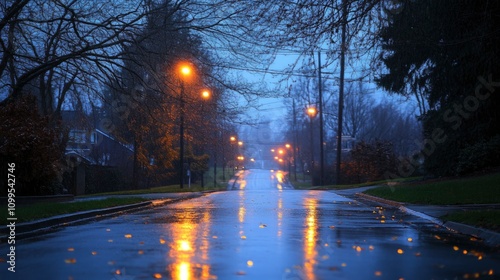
x=449, y=52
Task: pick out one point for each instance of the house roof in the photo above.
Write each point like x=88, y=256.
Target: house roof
x=75, y=120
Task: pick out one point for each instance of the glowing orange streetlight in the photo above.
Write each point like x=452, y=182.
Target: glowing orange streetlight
x=312, y=112
x=205, y=94
x=185, y=70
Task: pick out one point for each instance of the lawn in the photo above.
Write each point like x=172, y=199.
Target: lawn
x=166, y=189
x=489, y=219
x=469, y=190
x=351, y=186
x=25, y=213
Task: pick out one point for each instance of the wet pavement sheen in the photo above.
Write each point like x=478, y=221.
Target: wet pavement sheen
x=261, y=230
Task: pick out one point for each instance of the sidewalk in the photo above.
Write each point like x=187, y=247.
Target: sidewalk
x=432, y=213
x=34, y=228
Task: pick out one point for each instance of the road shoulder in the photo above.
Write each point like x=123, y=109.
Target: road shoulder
x=424, y=211
x=427, y=212
x=41, y=226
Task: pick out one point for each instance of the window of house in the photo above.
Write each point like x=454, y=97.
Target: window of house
x=77, y=136
x=93, y=137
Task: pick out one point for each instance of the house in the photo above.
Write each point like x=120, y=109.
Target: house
x=96, y=161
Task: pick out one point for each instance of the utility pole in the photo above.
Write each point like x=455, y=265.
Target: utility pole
x=341, y=89
x=321, y=153
x=295, y=142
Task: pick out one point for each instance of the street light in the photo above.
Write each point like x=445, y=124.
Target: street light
x=185, y=71
x=205, y=94
x=311, y=112
x=290, y=157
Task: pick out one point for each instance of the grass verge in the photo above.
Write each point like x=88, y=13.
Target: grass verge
x=164, y=189
x=470, y=190
x=26, y=213
x=351, y=186
x=489, y=219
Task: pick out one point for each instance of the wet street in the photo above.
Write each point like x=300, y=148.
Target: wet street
x=260, y=230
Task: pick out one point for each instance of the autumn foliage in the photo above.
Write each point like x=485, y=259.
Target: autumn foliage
x=31, y=142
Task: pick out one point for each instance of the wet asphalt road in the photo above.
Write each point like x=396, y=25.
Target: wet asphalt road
x=262, y=230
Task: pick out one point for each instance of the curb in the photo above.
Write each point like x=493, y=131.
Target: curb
x=490, y=237
x=35, y=228
x=380, y=200
x=30, y=229
x=233, y=180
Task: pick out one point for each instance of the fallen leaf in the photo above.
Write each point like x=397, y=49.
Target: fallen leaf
x=157, y=276
x=70, y=261
x=128, y=235
x=333, y=268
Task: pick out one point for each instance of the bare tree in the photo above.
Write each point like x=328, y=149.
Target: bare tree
x=358, y=104
x=51, y=48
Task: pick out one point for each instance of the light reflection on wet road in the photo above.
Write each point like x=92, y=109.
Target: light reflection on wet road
x=261, y=231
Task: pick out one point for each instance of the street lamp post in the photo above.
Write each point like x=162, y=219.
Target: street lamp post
x=311, y=112
x=289, y=158
x=185, y=72
x=181, y=137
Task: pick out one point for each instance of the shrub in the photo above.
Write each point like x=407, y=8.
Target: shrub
x=31, y=142
x=479, y=156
